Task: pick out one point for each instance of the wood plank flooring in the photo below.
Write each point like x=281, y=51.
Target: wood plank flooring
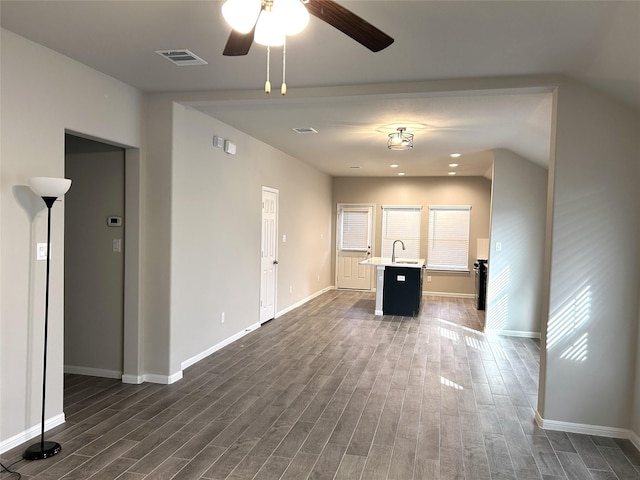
x=330, y=391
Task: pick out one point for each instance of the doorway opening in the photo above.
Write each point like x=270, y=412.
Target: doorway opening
x=94, y=258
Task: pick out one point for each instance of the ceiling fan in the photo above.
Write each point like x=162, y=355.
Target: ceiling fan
x=328, y=11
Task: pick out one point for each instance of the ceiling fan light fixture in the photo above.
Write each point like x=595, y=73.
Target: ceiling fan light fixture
x=269, y=29
x=400, y=140
x=241, y=15
x=294, y=16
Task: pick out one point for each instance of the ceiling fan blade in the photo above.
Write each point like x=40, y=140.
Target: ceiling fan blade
x=350, y=24
x=238, y=43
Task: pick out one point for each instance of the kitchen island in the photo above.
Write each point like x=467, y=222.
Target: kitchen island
x=398, y=285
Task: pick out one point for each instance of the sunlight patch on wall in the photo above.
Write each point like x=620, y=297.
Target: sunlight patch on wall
x=448, y=383
x=577, y=351
x=570, y=317
x=498, y=302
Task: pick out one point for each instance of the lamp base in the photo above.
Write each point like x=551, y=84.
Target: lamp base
x=40, y=450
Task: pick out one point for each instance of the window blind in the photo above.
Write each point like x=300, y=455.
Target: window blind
x=448, y=237
x=401, y=222
x=354, y=232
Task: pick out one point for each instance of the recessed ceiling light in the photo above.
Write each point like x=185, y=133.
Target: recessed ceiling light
x=394, y=165
x=455, y=155
x=452, y=173
x=453, y=165
x=401, y=173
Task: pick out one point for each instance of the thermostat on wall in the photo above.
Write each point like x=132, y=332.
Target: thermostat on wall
x=114, y=221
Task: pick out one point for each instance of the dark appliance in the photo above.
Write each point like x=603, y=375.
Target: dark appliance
x=480, y=270
x=402, y=291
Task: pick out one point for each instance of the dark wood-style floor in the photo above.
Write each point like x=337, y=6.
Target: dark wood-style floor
x=330, y=391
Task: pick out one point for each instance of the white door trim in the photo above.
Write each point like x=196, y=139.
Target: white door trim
x=274, y=279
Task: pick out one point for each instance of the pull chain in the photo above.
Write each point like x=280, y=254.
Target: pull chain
x=283, y=89
x=267, y=84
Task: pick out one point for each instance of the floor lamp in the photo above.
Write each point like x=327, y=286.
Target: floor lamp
x=49, y=189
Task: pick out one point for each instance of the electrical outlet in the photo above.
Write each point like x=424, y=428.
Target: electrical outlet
x=428, y=278
x=290, y=288
x=222, y=317
x=318, y=278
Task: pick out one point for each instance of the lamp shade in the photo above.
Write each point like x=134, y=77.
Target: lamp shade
x=49, y=186
x=241, y=14
x=400, y=140
x=294, y=16
x=269, y=29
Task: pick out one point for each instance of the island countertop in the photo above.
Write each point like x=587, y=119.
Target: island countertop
x=400, y=262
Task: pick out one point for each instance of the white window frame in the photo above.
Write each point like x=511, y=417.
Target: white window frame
x=394, y=229
x=366, y=245
x=440, y=254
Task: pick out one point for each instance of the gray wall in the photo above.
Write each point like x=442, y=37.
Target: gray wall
x=425, y=191
x=216, y=231
x=594, y=269
x=35, y=115
x=93, y=272
x=518, y=221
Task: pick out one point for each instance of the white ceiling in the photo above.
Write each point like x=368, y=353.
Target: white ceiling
x=596, y=42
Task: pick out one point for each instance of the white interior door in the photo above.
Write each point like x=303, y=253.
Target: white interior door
x=354, y=229
x=269, y=254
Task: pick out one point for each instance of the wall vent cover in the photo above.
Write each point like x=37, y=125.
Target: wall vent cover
x=181, y=57
x=305, y=130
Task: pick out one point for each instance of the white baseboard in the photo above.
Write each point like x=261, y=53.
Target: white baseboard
x=33, y=432
x=92, y=372
x=513, y=333
x=133, y=379
x=635, y=439
x=586, y=429
x=162, y=379
x=304, y=300
x=448, y=294
x=196, y=358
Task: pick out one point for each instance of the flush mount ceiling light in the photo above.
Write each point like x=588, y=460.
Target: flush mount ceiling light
x=400, y=140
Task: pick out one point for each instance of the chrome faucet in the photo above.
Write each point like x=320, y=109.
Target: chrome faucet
x=393, y=250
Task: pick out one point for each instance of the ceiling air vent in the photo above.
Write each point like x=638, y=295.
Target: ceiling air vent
x=181, y=57
x=305, y=130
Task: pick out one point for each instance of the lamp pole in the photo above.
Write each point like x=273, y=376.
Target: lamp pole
x=43, y=449
x=49, y=189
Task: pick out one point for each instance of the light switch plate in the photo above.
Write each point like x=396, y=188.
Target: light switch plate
x=41, y=251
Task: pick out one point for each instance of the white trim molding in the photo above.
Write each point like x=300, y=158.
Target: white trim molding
x=196, y=358
x=585, y=429
x=32, y=432
x=92, y=372
x=448, y=294
x=513, y=333
x=304, y=300
x=133, y=379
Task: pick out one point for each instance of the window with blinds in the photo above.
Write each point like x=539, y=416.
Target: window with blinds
x=401, y=222
x=448, y=237
x=354, y=231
